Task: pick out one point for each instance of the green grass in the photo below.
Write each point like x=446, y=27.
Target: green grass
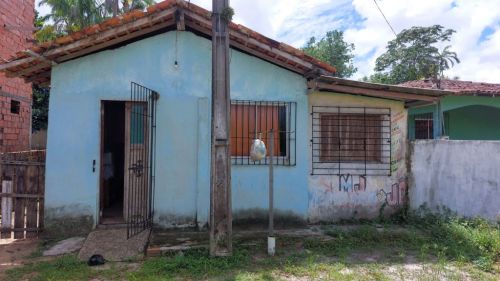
x=422, y=248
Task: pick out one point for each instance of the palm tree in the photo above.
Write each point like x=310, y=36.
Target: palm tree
x=443, y=60
x=73, y=15
x=447, y=59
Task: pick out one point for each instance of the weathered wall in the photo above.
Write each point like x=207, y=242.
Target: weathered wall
x=183, y=129
x=16, y=22
x=463, y=176
x=360, y=196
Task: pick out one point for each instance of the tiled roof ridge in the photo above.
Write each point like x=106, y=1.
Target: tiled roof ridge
x=162, y=6
x=457, y=86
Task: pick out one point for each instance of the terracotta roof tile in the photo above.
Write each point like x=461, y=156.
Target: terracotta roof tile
x=457, y=86
x=131, y=16
x=92, y=29
x=112, y=22
x=64, y=40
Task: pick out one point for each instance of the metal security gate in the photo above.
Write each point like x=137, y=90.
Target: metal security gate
x=140, y=134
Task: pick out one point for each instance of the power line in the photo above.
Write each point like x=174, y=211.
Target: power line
x=386, y=20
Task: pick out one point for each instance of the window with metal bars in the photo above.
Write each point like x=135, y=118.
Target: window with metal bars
x=351, y=140
x=256, y=119
x=424, y=126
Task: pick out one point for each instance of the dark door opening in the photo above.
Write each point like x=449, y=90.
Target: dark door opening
x=112, y=162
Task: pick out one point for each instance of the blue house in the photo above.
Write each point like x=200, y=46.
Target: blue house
x=130, y=106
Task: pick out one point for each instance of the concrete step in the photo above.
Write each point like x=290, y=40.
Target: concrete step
x=113, y=245
x=112, y=226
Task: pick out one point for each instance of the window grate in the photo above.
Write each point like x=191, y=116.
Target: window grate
x=255, y=119
x=351, y=140
x=424, y=126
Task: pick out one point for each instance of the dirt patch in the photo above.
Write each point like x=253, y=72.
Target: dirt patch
x=15, y=253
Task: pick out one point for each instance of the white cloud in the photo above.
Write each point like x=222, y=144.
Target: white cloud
x=43, y=10
x=294, y=21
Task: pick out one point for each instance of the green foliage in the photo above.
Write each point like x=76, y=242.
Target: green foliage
x=444, y=246
x=380, y=78
x=193, y=263
x=64, y=268
x=413, y=55
x=473, y=240
x=40, y=108
x=45, y=32
x=227, y=14
x=334, y=50
x=72, y=15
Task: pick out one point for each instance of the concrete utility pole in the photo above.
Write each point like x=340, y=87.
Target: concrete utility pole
x=220, y=180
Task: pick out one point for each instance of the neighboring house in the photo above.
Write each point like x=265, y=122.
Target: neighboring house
x=16, y=33
x=129, y=126
x=467, y=111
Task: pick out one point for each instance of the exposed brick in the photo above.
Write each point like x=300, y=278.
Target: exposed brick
x=18, y=13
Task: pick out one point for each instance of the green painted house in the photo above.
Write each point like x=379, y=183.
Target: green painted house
x=465, y=111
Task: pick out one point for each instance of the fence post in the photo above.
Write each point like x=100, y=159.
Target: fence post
x=6, y=210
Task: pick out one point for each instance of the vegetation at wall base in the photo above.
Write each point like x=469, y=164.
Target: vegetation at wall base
x=422, y=246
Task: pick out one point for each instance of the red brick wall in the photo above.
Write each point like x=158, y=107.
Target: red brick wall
x=16, y=17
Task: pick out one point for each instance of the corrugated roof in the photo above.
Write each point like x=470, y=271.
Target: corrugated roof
x=35, y=64
x=457, y=87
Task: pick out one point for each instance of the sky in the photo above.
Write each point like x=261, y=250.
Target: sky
x=477, y=25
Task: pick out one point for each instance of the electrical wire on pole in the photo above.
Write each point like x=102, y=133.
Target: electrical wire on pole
x=385, y=18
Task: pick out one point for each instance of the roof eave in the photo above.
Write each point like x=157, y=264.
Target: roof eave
x=409, y=96
x=36, y=67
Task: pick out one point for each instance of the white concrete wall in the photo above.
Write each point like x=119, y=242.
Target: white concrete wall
x=463, y=176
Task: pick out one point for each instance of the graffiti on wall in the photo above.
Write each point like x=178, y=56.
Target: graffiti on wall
x=396, y=196
x=397, y=145
x=347, y=183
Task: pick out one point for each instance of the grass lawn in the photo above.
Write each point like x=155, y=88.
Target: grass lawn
x=433, y=248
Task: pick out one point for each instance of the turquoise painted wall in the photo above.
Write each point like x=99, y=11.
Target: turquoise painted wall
x=471, y=122
x=466, y=117
x=183, y=128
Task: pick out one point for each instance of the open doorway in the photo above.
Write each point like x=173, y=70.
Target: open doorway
x=112, y=162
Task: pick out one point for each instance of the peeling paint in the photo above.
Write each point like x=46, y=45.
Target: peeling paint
x=336, y=197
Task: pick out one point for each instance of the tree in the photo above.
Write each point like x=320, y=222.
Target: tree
x=381, y=78
x=413, y=55
x=40, y=108
x=45, y=32
x=68, y=16
x=40, y=97
x=334, y=50
x=73, y=15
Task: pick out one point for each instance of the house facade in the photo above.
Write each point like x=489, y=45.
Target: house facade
x=16, y=31
x=468, y=111
x=339, y=153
